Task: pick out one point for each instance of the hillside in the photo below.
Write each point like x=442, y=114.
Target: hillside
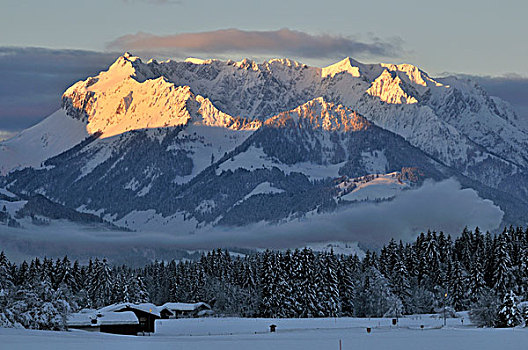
x=195, y=143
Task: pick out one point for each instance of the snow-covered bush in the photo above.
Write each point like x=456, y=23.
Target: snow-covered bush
x=485, y=311
x=523, y=311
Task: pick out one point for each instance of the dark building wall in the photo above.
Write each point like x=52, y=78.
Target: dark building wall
x=86, y=328
x=126, y=329
x=166, y=314
x=146, y=320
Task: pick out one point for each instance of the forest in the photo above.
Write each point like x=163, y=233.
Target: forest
x=481, y=272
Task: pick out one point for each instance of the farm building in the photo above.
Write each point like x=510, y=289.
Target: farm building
x=133, y=319
x=183, y=310
x=146, y=314
x=106, y=322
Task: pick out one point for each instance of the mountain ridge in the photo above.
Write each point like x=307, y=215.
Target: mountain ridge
x=192, y=140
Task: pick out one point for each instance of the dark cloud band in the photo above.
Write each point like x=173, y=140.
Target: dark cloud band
x=32, y=81
x=284, y=42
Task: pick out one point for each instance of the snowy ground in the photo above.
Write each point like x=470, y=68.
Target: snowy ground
x=304, y=334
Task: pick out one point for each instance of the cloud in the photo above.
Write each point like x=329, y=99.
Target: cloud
x=32, y=81
x=284, y=42
x=440, y=206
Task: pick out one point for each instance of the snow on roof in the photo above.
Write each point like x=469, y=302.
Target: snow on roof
x=205, y=313
x=183, y=306
x=89, y=319
x=145, y=307
x=80, y=319
x=112, y=318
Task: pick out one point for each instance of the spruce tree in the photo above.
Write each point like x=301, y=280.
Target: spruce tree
x=457, y=282
x=347, y=286
x=306, y=290
x=508, y=314
x=502, y=275
x=476, y=281
x=330, y=297
x=400, y=285
x=100, y=284
x=284, y=286
x=269, y=306
x=6, y=280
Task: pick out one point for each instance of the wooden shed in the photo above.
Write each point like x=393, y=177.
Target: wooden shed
x=184, y=310
x=146, y=313
x=85, y=320
x=107, y=322
x=119, y=323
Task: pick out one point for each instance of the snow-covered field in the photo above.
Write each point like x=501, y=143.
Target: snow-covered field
x=305, y=334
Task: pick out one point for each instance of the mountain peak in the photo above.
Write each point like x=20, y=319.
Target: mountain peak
x=124, y=66
x=285, y=62
x=347, y=65
x=127, y=56
x=320, y=114
x=414, y=74
x=389, y=89
x=247, y=63
x=194, y=60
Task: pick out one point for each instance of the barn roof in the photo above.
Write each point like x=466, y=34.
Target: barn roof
x=183, y=306
x=144, y=307
x=80, y=319
x=84, y=319
x=114, y=318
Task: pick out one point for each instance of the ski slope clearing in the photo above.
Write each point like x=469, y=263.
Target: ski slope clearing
x=379, y=188
x=305, y=334
x=256, y=158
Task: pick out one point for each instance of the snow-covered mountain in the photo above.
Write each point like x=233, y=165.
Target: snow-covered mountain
x=36, y=211
x=209, y=143
x=452, y=120
x=54, y=135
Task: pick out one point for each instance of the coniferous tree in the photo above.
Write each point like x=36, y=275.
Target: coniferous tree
x=100, y=284
x=306, y=293
x=284, y=287
x=400, y=285
x=477, y=271
x=6, y=280
x=476, y=281
x=331, y=298
x=347, y=288
x=269, y=306
x=457, y=287
x=508, y=315
x=502, y=275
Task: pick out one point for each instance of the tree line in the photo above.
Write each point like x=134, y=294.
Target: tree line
x=481, y=272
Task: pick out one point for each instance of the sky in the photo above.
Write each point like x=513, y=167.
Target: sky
x=45, y=46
